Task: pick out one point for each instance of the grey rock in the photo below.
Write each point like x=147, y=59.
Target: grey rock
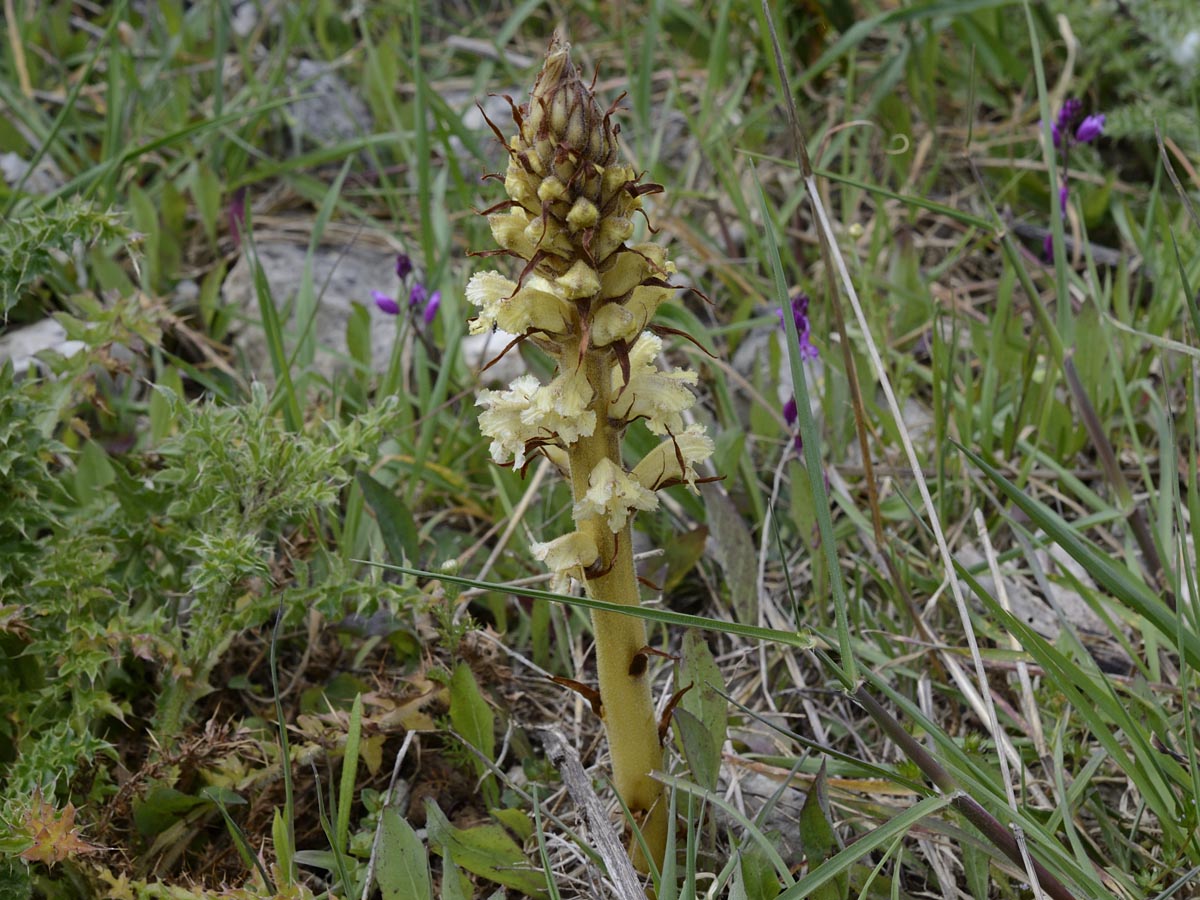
x=327, y=111
x=46, y=177
x=341, y=277
x=21, y=345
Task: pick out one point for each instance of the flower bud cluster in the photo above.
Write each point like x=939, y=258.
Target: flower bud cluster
x=586, y=295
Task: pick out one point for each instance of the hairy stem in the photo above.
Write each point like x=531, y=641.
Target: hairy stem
x=628, y=709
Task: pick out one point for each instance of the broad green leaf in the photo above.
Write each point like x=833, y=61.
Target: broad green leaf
x=396, y=523
x=206, y=195
x=976, y=867
x=456, y=885
x=705, y=701
x=403, y=866
x=735, y=551
x=682, y=554
x=516, y=821
x=283, y=846
x=358, y=335
x=474, y=720
x=820, y=840
x=93, y=472
x=485, y=850
x=702, y=755
x=469, y=711
x=162, y=806
x=755, y=878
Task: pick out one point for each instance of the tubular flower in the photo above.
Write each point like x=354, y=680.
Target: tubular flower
x=612, y=493
x=586, y=296
x=671, y=462
x=566, y=556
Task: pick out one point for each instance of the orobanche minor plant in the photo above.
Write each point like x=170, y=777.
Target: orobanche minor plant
x=586, y=295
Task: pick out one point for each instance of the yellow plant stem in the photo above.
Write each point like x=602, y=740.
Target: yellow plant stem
x=628, y=708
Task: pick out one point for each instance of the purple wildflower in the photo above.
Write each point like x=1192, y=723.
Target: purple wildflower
x=1048, y=248
x=418, y=296
x=790, y=413
x=1064, y=124
x=1090, y=128
x=1063, y=193
x=431, y=307
x=404, y=266
x=385, y=303
x=803, y=328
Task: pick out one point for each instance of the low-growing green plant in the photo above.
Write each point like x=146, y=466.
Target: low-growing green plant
x=150, y=563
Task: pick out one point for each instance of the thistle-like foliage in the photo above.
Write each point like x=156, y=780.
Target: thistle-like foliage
x=586, y=295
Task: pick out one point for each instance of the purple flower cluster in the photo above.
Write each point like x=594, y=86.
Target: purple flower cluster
x=1070, y=127
x=419, y=299
x=807, y=351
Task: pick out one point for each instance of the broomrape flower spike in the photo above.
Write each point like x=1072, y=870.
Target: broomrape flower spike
x=586, y=296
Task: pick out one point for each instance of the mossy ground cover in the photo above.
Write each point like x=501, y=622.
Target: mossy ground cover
x=271, y=624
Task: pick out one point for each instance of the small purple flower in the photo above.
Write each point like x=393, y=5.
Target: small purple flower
x=1090, y=128
x=803, y=328
x=385, y=303
x=790, y=413
x=1048, y=248
x=431, y=308
x=404, y=266
x=1063, y=193
x=418, y=296
x=1063, y=125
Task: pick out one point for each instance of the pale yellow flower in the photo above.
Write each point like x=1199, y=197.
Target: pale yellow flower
x=661, y=465
x=567, y=556
x=536, y=307
x=612, y=493
x=504, y=419
x=561, y=407
x=653, y=395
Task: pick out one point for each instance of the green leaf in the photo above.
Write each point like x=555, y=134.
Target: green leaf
x=161, y=807
x=485, y=850
x=280, y=836
x=516, y=821
x=705, y=709
x=206, y=194
x=755, y=878
x=735, y=552
x=93, y=472
x=801, y=640
x=682, y=553
x=820, y=840
x=396, y=523
x=403, y=865
x=840, y=864
x=358, y=335
x=702, y=755
x=349, y=770
x=471, y=715
x=976, y=866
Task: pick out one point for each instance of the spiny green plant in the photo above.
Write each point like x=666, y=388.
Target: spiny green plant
x=34, y=244
x=585, y=296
